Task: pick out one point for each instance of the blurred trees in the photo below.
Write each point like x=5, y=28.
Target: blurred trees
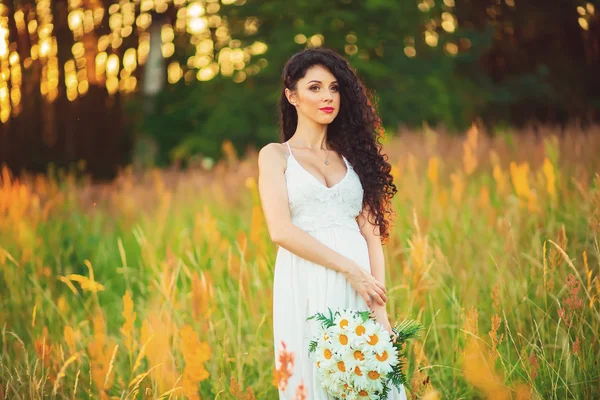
x=543, y=61
x=53, y=105
x=69, y=69
x=438, y=62
x=75, y=82
x=413, y=81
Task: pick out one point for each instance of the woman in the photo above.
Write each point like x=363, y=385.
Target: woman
x=325, y=194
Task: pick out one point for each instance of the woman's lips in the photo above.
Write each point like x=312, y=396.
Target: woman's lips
x=328, y=110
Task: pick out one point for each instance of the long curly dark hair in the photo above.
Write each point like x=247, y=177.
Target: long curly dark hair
x=355, y=132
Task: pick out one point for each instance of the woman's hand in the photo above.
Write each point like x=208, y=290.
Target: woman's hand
x=380, y=314
x=366, y=285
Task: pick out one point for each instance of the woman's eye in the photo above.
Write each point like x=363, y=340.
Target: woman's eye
x=335, y=88
x=314, y=87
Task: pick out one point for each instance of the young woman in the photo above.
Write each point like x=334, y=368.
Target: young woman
x=325, y=194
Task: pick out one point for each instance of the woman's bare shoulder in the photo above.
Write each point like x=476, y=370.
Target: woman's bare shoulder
x=272, y=155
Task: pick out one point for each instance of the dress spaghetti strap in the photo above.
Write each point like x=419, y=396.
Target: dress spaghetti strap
x=288, y=145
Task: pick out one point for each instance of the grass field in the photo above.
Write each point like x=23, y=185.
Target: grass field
x=158, y=285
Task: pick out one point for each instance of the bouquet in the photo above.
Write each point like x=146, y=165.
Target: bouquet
x=355, y=355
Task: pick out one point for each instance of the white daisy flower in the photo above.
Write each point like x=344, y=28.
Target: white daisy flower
x=340, y=337
x=344, y=319
x=360, y=378
x=377, y=337
x=388, y=356
x=374, y=381
x=353, y=357
x=337, y=389
x=340, y=372
x=327, y=380
x=345, y=388
x=360, y=328
x=364, y=394
x=324, y=356
x=384, y=360
x=321, y=334
x=352, y=395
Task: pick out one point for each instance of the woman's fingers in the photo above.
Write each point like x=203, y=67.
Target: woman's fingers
x=384, y=297
x=367, y=299
x=372, y=299
x=379, y=299
x=375, y=297
x=377, y=291
x=378, y=285
x=374, y=290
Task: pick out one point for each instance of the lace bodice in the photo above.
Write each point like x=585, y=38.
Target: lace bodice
x=315, y=206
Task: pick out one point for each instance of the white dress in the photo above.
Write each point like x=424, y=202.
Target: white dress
x=302, y=288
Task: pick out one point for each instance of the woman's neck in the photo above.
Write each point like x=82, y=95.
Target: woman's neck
x=310, y=134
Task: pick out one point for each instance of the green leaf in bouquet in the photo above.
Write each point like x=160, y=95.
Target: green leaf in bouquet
x=385, y=392
x=407, y=329
x=326, y=322
x=365, y=315
x=397, y=376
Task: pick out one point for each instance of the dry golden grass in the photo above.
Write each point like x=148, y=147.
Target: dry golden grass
x=158, y=285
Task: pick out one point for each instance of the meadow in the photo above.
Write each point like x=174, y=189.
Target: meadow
x=158, y=284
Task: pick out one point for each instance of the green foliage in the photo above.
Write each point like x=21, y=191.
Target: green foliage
x=326, y=322
x=195, y=118
x=405, y=330
x=497, y=71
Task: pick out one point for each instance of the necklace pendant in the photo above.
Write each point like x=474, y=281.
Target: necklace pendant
x=326, y=162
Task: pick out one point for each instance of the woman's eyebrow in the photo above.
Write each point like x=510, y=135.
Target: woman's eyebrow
x=320, y=82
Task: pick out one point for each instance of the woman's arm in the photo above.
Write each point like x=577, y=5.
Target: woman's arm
x=377, y=260
x=274, y=199
x=371, y=234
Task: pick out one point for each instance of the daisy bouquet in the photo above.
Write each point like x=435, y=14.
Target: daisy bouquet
x=356, y=357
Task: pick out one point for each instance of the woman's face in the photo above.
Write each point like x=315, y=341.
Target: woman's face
x=317, y=95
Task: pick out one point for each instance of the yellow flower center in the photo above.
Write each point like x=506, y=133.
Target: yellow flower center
x=373, y=339
x=327, y=354
x=363, y=393
x=318, y=364
x=357, y=371
x=341, y=366
x=383, y=356
x=358, y=355
x=374, y=375
x=360, y=330
x=344, y=339
x=343, y=323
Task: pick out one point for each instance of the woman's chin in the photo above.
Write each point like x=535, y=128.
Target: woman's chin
x=325, y=119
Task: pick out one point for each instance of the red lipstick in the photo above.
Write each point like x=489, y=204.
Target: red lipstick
x=328, y=110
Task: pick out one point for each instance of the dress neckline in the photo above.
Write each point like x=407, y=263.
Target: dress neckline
x=314, y=177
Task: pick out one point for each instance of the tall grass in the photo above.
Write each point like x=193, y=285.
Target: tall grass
x=158, y=285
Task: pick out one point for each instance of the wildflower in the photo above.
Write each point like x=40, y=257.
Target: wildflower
x=301, y=392
x=433, y=170
x=576, y=346
x=286, y=367
x=550, y=178
x=571, y=303
x=130, y=316
x=533, y=362
x=496, y=340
